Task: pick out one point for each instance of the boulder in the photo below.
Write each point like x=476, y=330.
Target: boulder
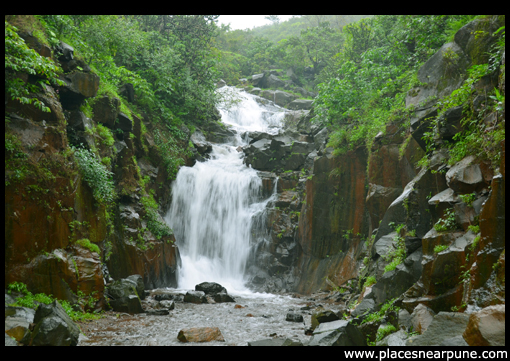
x=78, y=86
x=367, y=305
x=200, y=334
x=221, y=83
x=294, y=317
x=421, y=318
x=466, y=176
x=17, y=321
x=300, y=104
x=195, y=297
x=106, y=110
x=486, y=327
x=282, y=98
x=395, y=339
x=198, y=140
x=258, y=80
x=53, y=327
x=124, y=123
x=444, y=326
x=140, y=287
x=128, y=92
x=210, y=288
x=124, y=297
x=79, y=121
x=337, y=333
x=223, y=297
x=321, y=316
x=272, y=81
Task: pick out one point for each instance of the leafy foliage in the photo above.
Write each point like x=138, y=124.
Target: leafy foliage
x=96, y=175
x=21, y=59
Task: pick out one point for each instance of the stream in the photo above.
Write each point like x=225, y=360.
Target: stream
x=214, y=205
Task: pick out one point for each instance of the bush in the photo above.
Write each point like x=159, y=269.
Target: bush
x=96, y=175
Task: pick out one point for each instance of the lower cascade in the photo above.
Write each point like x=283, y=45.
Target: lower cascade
x=215, y=202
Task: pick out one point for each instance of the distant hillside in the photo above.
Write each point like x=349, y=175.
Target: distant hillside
x=292, y=27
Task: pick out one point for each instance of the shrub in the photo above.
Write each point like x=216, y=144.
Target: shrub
x=96, y=175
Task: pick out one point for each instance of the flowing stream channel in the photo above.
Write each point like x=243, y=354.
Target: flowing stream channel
x=214, y=205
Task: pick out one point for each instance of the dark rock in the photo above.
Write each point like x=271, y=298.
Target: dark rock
x=272, y=81
x=337, y=333
x=268, y=342
x=198, y=140
x=367, y=305
x=53, y=327
x=78, y=86
x=210, y=288
x=321, y=316
x=164, y=297
x=106, y=110
x=222, y=297
x=161, y=312
x=65, y=52
x=282, y=98
x=128, y=92
x=195, y=297
x=124, y=123
x=140, y=287
x=259, y=80
x=294, y=317
x=221, y=83
x=124, y=297
x=79, y=121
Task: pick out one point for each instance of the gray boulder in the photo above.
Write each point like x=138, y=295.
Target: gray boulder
x=124, y=296
x=444, y=326
x=53, y=327
x=273, y=81
x=17, y=321
x=294, y=317
x=337, y=333
x=299, y=104
x=465, y=176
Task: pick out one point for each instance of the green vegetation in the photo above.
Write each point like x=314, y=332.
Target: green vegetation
x=85, y=243
x=397, y=255
x=440, y=248
x=96, y=175
x=447, y=223
x=32, y=301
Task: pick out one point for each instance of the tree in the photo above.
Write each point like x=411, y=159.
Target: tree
x=273, y=18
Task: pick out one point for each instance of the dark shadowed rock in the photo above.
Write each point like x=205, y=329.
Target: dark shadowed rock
x=53, y=327
x=195, y=297
x=337, y=333
x=124, y=297
x=210, y=288
x=294, y=317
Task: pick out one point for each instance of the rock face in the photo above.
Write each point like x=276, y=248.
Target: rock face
x=444, y=326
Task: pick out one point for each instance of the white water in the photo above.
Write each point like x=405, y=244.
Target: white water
x=214, y=203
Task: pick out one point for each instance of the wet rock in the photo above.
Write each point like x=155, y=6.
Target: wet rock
x=321, y=315
x=444, y=326
x=17, y=321
x=465, y=176
x=198, y=140
x=53, y=327
x=79, y=121
x=200, y=334
x=9, y=341
x=210, y=288
x=486, y=327
x=283, y=98
x=223, y=297
x=275, y=342
x=195, y=297
x=124, y=297
x=140, y=287
x=161, y=312
x=337, y=333
x=294, y=317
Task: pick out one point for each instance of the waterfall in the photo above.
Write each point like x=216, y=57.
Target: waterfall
x=215, y=201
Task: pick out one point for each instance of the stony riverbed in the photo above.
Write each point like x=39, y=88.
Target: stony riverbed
x=252, y=317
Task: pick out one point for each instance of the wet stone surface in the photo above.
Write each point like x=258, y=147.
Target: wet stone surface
x=261, y=316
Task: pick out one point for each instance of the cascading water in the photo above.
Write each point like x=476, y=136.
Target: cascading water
x=215, y=202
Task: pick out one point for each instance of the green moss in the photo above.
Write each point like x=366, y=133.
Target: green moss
x=85, y=243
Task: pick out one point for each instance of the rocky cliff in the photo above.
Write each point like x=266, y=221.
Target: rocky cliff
x=61, y=236
x=379, y=224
